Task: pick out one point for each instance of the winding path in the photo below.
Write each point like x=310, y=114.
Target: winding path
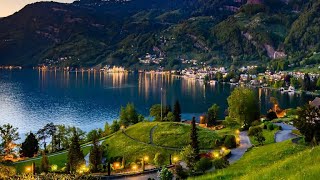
x=238, y=152
x=285, y=133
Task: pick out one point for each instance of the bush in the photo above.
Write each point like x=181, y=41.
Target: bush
x=256, y=123
x=220, y=163
x=180, y=172
x=271, y=116
x=271, y=127
x=159, y=159
x=259, y=138
x=230, y=141
x=254, y=130
x=6, y=172
x=203, y=164
x=165, y=174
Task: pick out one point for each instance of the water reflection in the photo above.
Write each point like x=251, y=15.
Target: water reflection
x=89, y=98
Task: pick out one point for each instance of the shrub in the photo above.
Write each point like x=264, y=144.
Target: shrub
x=271, y=115
x=256, y=123
x=230, y=141
x=220, y=163
x=165, y=174
x=203, y=164
x=259, y=138
x=254, y=130
x=270, y=127
x=6, y=172
x=159, y=159
x=180, y=172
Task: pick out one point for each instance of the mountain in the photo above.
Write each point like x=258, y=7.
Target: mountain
x=118, y=32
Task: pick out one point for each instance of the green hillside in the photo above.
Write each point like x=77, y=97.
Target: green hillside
x=283, y=160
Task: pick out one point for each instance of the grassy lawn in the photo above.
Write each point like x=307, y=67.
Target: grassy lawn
x=177, y=135
x=141, y=131
x=269, y=135
x=121, y=145
x=59, y=160
x=283, y=160
x=226, y=131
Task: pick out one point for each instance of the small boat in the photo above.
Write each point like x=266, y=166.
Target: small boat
x=282, y=90
x=291, y=89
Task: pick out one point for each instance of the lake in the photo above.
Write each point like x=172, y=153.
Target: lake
x=31, y=98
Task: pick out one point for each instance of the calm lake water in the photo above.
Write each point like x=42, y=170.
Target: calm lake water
x=30, y=98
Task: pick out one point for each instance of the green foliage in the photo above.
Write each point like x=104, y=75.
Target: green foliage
x=213, y=114
x=254, y=130
x=8, y=135
x=220, y=163
x=128, y=115
x=115, y=126
x=7, y=172
x=75, y=155
x=96, y=152
x=203, y=165
x=30, y=146
x=231, y=123
x=165, y=174
x=155, y=111
x=194, y=142
x=243, y=106
x=45, y=166
x=170, y=117
x=188, y=155
x=177, y=112
x=180, y=172
x=159, y=159
x=308, y=123
x=259, y=138
x=270, y=127
x=230, y=141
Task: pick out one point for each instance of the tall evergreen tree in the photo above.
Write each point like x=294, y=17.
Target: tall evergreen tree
x=75, y=154
x=194, y=138
x=30, y=146
x=177, y=111
x=95, y=153
x=306, y=82
x=44, y=163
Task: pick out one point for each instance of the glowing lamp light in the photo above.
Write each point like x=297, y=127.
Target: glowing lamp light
x=28, y=169
x=146, y=158
x=175, y=159
x=117, y=165
x=237, y=131
x=216, y=155
x=223, y=148
x=134, y=167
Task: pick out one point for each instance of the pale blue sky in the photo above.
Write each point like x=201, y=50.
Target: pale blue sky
x=8, y=7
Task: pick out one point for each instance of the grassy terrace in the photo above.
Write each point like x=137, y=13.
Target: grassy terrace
x=269, y=135
x=60, y=160
x=283, y=160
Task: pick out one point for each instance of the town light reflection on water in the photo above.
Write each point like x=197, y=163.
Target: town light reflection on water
x=88, y=99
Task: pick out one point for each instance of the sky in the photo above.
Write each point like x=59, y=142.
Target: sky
x=8, y=7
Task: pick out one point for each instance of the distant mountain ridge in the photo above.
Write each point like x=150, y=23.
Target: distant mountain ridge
x=98, y=32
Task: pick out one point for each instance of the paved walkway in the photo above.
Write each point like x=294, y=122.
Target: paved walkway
x=285, y=133
x=238, y=152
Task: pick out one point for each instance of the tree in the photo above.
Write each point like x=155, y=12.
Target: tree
x=51, y=129
x=306, y=85
x=128, y=115
x=93, y=133
x=213, y=115
x=318, y=84
x=96, y=151
x=107, y=129
x=170, y=117
x=115, y=126
x=308, y=122
x=243, y=106
x=75, y=155
x=8, y=134
x=177, y=112
x=259, y=138
x=159, y=159
x=194, y=138
x=188, y=155
x=44, y=167
x=30, y=146
x=155, y=111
